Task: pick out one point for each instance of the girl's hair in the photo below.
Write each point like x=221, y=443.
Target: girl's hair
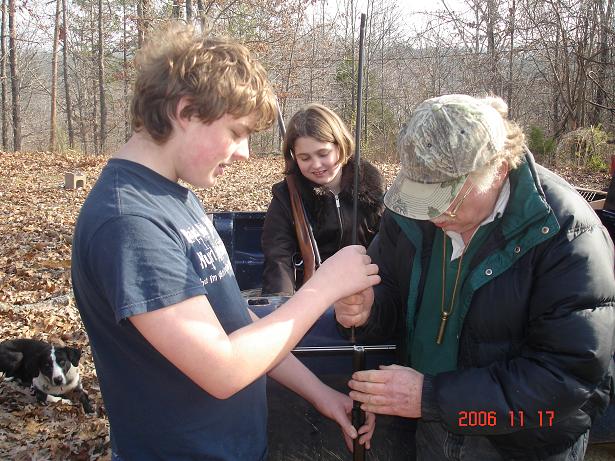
x=217, y=76
x=513, y=151
x=322, y=124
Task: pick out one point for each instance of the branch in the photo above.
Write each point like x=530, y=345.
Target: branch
x=611, y=109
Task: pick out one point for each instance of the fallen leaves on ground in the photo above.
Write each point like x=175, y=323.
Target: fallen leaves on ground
x=37, y=217
x=38, y=214
x=60, y=431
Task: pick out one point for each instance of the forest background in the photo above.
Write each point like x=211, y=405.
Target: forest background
x=66, y=73
x=66, y=66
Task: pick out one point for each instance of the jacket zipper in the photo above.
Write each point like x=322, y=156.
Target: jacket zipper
x=339, y=219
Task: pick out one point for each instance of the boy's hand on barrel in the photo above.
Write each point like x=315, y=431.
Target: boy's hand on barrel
x=348, y=271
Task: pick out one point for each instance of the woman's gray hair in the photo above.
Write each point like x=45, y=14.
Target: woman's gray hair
x=512, y=153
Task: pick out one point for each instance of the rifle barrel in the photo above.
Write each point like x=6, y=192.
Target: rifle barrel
x=358, y=354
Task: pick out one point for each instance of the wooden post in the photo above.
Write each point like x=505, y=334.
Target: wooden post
x=74, y=180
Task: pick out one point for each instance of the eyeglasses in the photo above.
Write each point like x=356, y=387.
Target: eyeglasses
x=453, y=213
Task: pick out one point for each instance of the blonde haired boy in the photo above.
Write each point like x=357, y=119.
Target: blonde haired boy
x=180, y=359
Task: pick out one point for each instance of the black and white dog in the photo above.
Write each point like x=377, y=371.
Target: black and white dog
x=52, y=371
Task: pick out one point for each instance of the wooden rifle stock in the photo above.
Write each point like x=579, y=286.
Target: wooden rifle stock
x=305, y=236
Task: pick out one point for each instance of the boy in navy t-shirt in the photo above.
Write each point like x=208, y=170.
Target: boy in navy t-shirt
x=180, y=359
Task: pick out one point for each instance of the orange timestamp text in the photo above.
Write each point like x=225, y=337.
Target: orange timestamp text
x=516, y=418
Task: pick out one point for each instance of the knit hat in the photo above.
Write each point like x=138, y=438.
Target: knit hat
x=445, y=139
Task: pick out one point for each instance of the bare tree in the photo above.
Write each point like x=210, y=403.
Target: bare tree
x=5, y=125
x=125, y=70
x=14, y=78
x=93, y=81
x=566, y=58
x=101, y=79
x=289, y=72
x=67, y=93
x=189, y=10
x=347, y=76
x=200, y=9
x=604, y=16
x=511, y=55
x=555, y=91
x=143, y=19
x=54, y=80
x=368, y=54
x=176, y=8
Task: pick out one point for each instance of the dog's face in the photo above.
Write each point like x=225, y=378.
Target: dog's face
x=57, y=367
x=56, y=364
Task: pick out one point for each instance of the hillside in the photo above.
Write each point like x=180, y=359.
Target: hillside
x=37, y=216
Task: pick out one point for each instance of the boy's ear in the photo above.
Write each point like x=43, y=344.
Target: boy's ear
x=181, y=120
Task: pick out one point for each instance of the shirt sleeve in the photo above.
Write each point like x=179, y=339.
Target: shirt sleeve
x=140, y=266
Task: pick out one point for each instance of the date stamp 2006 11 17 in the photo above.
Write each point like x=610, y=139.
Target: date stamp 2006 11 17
x=516, y=418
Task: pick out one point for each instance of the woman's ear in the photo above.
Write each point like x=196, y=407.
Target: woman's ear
x=502, y=172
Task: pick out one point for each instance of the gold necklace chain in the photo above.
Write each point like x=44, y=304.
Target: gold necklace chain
x=444, y=316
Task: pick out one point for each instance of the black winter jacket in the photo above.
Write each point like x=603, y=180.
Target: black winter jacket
x=538, y=335
x=332, y=226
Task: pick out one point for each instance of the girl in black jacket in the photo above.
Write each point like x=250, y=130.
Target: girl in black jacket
x=318, y=150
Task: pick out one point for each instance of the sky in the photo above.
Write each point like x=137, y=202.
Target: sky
x=410, y=9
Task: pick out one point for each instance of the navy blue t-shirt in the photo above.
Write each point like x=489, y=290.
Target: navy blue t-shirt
x=142, y=243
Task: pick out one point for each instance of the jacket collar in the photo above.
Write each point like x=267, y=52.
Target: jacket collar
x=370, y=185
x=527, y=205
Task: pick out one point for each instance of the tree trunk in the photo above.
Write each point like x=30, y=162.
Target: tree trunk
x=5, y=122
x=67, y=96
x=290, y=64
x=142, y=21
x=14, y=78
x=139, y=23
x=353, y=78
x=81, y=100
x=383, y=123
x=95, y=124
x=368, y=47
x=101, y=80
x=81, y=96
x=313, y=57
x=53, y=124
x=555, y=92
x=125, y=73
x=491, y=18
x=93, y=92
x=176, y=8
x=511, y=56
x=189, y=10
x=606, y=17
x=199, y=7
x=477, y=21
